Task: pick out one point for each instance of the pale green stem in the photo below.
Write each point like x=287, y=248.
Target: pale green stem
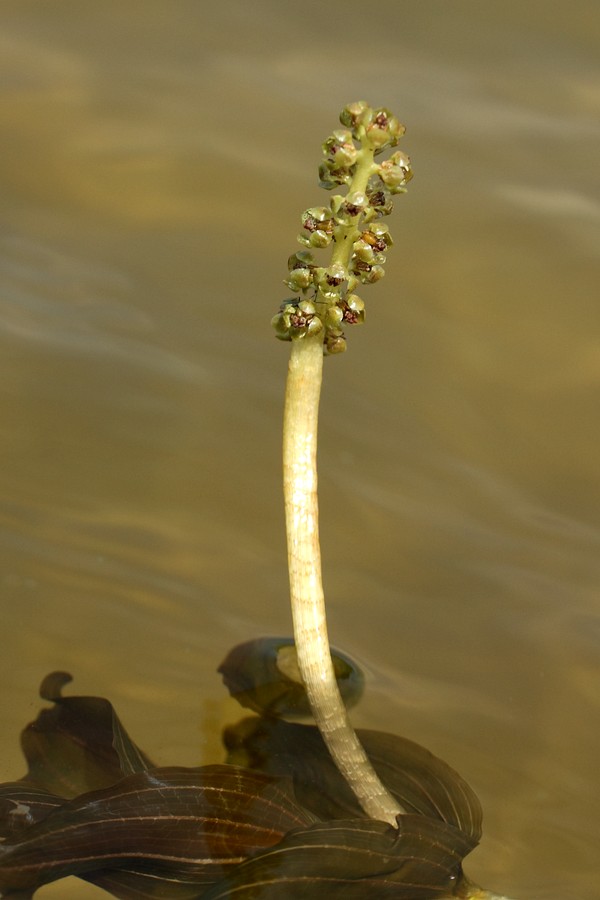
x=306, y=589
x=345, y=237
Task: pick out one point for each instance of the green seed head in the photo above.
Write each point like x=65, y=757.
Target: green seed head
x=350, y=225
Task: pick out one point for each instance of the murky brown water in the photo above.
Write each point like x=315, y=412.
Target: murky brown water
x=155, y=159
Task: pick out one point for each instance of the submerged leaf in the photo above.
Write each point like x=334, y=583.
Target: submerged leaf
x=263, y=675
x=183, y=825
x=79, y=744
x=352, y=860
x=131, y=883
x=420, y=781
x=22, y=805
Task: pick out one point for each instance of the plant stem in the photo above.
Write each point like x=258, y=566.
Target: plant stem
x=300, y=425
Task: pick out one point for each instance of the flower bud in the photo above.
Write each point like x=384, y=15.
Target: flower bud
x=380, y=202
x=396, y=171
x=363, y=251
x=371, y=274
x=335, y=316
x=355, y=114
x=281, y=324
x=377, y=236
x=330, y=178
x=299, y=279
x=329, y=280
x=301, y=259
x=340, y=150
x=296, y=319
x=355, y=203
x=317, y=227
x=335, y=341
x=384, y=129
x=353, y=310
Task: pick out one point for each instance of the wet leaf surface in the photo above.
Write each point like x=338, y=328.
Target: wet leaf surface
x=21, y=805
x=189, y=824
x=353, y=860
x=420, y=781
x=79, y=744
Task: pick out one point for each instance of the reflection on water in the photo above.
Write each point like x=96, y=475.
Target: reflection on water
x=155, y=160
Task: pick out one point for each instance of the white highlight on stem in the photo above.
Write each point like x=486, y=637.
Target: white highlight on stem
x=300, y=425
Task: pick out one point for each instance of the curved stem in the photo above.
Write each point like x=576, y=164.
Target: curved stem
x=304, y=559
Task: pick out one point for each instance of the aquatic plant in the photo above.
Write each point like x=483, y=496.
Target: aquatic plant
x=314, y=323
x=297, y=811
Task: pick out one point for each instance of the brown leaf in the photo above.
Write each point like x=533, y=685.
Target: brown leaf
x=21, y=805
x=353, y=860
x=420, y=781
x=79, y=744
x=187, y=825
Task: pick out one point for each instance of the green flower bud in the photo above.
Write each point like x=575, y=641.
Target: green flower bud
x=330, y=178
x=301, y=259
x=353, y=310
x=329, y=281
x=367, y=274
x=317, y=227
x=296, y=319
x=299, y=280
x=355, y=203
x=281, y=326
x=364, y=252
x=335, y=316
x=380, y=203
x=355, y=114
x=340, y=150
x=377, y=235
x=384, y=129
x=313, y=326
x=335, y=341
x=303, y=319
x=318, y=239
x=396, y=171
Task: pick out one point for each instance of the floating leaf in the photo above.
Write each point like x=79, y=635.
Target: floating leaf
x=132, y=884
x=352, y=860
x=22, y=805
x=79, y=744
x=173, y=833
x=420, y=781
x=263, y=675
x=182, y=825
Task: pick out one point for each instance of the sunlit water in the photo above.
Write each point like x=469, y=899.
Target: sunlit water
x=155, y=159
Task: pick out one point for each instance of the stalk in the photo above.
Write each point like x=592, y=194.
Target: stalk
x=306, y=590
x=313, y=326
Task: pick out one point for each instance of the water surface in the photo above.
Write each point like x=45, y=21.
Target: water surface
x=155, y=161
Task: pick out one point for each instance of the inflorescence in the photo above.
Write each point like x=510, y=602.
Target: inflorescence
x=327, y=300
